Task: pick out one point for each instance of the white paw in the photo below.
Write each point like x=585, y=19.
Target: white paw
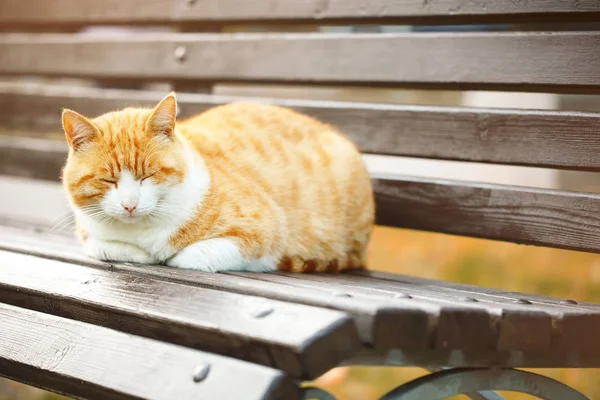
x=117, y=251
x=216, y=255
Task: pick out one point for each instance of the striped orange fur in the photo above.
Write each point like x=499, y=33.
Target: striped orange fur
x=282, y=185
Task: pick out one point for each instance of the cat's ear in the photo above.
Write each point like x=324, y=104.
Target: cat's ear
x=162, y=119
x=78, y=129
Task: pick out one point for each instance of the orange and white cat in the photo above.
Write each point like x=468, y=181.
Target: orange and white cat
x=240, y=187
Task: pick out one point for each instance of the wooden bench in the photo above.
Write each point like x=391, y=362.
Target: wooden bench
x=95, y=330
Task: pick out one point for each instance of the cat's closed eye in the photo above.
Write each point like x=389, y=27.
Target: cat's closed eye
x=110, y=181
x=147, y=177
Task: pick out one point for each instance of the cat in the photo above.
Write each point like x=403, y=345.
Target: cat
x=240, y=187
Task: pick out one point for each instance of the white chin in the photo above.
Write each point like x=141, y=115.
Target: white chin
x=129, y=219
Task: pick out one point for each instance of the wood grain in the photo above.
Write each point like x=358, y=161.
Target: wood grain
x=534, y=325
x=380, y=323
x=556, y=139
x=301, y=340
x=390, y=311
x=576, y=324
x=276, y=11
x=87, y=361
x=32, y=158
x=561, y=219
x=560, y=61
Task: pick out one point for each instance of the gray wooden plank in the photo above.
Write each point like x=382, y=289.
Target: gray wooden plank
x=518, y=137
x=510, y=326
x=552, y=218
x=517, y=326
x=316, y=11
x=444, y=321
x=522, y=324
x=459, y=289
x=32, y=158
x=560, y=61
x=88, y=361
x=381, y=323
x=301, y=340
x=560, y=219
x=575, y=323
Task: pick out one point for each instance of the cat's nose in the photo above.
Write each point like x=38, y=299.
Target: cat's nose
x=130, y=205
x=130, y=209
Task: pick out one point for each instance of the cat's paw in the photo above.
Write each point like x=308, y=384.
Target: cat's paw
x=118, y=252
x=217, y=255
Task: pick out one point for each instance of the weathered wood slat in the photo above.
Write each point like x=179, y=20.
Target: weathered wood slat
x=561, y=219
x=536, y=324
x=492, y=294
x=535, y=138
x=560, y=61
x=83, y=360
x=316, y=11
x=401, y=315
x=381, y=322
x=459, y=325
x=303, y=341
x=32, y=158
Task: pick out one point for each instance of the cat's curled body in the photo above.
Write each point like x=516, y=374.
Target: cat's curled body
x=242, y=186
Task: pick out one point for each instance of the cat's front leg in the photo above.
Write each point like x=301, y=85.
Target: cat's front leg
x=110, y=250
x=217, y=255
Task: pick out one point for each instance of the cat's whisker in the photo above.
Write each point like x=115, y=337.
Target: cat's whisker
x=65, y=220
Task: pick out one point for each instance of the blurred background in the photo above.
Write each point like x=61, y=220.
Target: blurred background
x=473, y=261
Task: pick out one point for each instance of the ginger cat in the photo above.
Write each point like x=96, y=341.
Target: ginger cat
x=240, y=187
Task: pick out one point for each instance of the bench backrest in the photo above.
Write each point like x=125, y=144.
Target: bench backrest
x=498, y=60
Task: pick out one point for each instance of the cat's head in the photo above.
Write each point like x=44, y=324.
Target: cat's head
x=122, y=165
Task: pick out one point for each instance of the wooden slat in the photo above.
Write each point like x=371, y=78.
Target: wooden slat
x=540, y=324
x=32, y=158
x=301, y=340
x=455, y=319
x=561, y=61
x=561, y=219
x=535, y=138
x=87, y=361
x=316, y=11
x=381, y=322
